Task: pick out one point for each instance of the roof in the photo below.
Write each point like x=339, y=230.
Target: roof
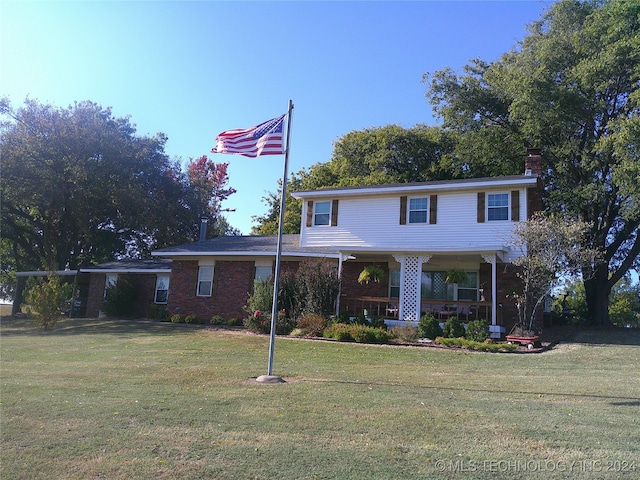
x=132, y=265
x=247, y=245
x=438, y=185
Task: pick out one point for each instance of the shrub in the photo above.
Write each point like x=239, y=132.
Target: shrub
x=217, y=320
x=46, y=300
x=260, y=322
x=453, y=328
x=477, y=330
x=176, y=318
x=312, y=324
x=338, y=331
x=357, y=333
x=192, y=319
x=158, y=312
x=406, y=333
x=429, y=327
x=378, y=322
x=318, y=286
x=472, y=345
x=234, y=322
x=120, y=298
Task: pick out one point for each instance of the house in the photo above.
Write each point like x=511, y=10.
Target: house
x=416, y=233
x=152, y=278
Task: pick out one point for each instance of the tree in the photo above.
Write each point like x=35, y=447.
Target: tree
x=571, y=88
x=46, y=300
x=209, y=185
x=550, y=251
x=374, y=156
x=80, y=187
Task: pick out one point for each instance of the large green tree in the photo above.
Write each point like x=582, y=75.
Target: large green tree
x=571, y=88
x=79, y=187
x=389, y=154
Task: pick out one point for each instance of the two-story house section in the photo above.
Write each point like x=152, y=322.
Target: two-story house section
x=420, y=234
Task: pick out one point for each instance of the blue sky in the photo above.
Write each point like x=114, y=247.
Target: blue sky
x=194, y=69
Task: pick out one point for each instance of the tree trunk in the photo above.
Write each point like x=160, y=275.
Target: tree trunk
x=597, y=291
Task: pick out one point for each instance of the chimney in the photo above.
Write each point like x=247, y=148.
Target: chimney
x=533, y=162
x=203, y=228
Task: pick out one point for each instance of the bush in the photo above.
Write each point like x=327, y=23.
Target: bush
x=46, y=300
x=357, y=333
x=312, y=324
x=429, y=327
x=217, y=320
x=406, y=333
x=176, y=318
x=158, y=312
x=192, y=319
x=472, y=345
x=120, y=298
x=453, y=328
x=477, y=330
x=260, y=322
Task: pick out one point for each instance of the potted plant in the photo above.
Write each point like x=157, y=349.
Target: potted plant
x=455, y=275
x=371, y=273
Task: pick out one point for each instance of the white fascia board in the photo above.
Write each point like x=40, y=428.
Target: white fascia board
x=479, y=249
x=414, y=188
x=43, y=273
x=125, y=270
x=243, y=254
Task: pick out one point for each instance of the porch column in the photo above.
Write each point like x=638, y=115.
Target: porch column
x=491, y=258
x=342, y=258
x=410, y=281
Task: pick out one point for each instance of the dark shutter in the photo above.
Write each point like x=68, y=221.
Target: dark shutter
x=403, y=210
x=515, y=206
x=433, y=209
x=309, y=213
x=334, y=213
x=481, y=207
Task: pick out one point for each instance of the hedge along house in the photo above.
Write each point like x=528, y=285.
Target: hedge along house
x=215, y=276
x=421, y=236
x=418, y=235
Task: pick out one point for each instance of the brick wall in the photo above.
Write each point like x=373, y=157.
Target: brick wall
x=232, y=283
x=351, y=287
x=95, y=296
x=146, y=291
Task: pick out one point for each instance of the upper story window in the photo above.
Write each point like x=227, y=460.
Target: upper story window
x=162, y=289
x=205, y=281
x=322, y=213
x=497, y=206
x=418, y=210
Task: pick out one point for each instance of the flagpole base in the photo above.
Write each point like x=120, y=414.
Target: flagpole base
x=270, y=379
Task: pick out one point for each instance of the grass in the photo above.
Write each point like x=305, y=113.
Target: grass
x=95, y=398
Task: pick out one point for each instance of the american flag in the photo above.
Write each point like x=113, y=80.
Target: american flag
x=264, y=139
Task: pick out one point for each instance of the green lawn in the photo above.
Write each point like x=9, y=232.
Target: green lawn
x=102, y=399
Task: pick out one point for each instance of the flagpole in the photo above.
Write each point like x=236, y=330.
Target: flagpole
x=270, y=378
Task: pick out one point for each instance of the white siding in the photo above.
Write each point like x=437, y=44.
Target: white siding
x=374, y=222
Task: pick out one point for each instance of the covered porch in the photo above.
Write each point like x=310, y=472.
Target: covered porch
x=414, y=284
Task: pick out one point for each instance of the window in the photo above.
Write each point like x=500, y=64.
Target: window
x=110, y=281
x=322, y=214
x=162, y=289
x=263, y=273
x=469, y=290
x=418, y=210
x=205, y=281
x=434, y=287
x=497, y=206
x=394, y=283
